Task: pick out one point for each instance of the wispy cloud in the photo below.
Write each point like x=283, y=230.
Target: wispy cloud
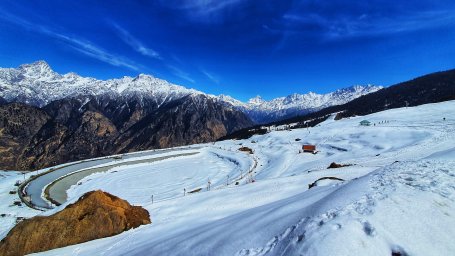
x=78, y=44
x=180, y=73
x=135, y=43
x=205, y=7
x=203, y=11
x=210, y=76
x=360, y=24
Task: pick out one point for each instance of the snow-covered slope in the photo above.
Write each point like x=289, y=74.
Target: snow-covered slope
x=397, y=197
x=262, y=111
x=37, y=84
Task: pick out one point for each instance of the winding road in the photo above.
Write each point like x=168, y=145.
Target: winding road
x=56, y=191
x=32, y=190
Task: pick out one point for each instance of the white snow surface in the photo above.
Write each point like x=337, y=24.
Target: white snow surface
x=398, y=194
x=165, y=179
x=8, y=211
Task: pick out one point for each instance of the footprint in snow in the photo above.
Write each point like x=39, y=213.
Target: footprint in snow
x=368, y=229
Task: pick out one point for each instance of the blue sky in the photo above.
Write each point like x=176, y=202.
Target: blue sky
x=242, y=48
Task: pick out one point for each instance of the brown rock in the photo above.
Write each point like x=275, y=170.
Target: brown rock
x=335, y=165
x=96, y=214
x=246, y=149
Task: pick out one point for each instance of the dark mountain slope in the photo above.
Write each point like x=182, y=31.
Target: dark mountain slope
x=432, y=88
x=436, y=87
x=201, y=120
x=79, y=128
x=18, y=124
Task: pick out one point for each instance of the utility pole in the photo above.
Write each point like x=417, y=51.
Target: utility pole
x=152, y=199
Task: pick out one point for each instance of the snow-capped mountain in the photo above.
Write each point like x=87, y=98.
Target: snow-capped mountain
x=262, y=111
x=69, y=117
x=37, y=84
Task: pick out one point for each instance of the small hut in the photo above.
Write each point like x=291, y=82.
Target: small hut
x=365, y=123
x=308, y=148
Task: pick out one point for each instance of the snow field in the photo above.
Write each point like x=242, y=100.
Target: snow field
x=168, y=178
x=398, y=195
x=8, y=211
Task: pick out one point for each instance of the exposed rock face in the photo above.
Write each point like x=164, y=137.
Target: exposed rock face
x=95, y=215
x=18, y=124
x=193, y=119
x=80, y=128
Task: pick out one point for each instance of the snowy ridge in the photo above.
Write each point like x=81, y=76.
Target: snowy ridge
x=37, y=84
x=309, y=100
x=262, y=111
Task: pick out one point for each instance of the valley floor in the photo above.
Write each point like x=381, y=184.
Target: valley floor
x=398, y=193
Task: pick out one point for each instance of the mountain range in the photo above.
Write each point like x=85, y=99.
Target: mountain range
x=37, y=84
x=47, y=118
x=261, y=111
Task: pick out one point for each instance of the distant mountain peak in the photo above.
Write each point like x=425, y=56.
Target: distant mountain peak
x=37, y=68
x=38, y=63
x=144, y=77
x=256, y=100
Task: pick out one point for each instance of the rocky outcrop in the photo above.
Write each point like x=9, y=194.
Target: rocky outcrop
x=335, y=165
x=95, y=215
x=81, y=128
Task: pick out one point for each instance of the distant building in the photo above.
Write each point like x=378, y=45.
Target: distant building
x=309, y=148
x=365, y=123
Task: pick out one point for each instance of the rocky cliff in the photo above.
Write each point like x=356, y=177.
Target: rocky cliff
x=95, y=215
